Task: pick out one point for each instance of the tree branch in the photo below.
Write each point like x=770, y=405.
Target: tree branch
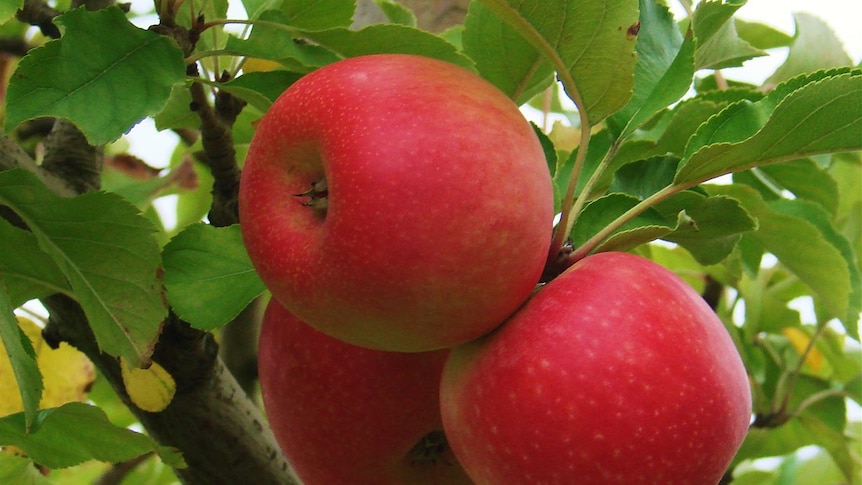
x=40, y=14
x=219, y=152
x=221, y=433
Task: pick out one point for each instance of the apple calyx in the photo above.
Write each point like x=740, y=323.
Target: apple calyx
x=318, y=196
x=429, y=449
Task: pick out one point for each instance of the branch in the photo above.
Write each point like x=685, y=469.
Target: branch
x=40, y=14
x=221, y=433
x=69, y=157
x=219, y=152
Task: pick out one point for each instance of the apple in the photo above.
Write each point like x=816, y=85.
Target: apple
x=397, y=202
x=615, y=372
x=349, y=415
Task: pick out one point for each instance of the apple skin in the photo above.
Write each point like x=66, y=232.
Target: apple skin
x=348, y=415
x=438, y=203
x=616, y=372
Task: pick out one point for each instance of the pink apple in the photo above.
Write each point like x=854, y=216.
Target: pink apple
x=347, y=415
x=397, y=202
x=616, y=372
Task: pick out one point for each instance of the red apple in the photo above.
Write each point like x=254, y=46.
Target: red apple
x=397, y=202
x=616, y=372
x=348, y=415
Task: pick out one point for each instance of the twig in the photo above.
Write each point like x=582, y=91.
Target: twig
x=217, y=139
x=40, y=14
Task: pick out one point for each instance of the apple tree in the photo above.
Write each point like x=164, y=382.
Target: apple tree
x=129, y=306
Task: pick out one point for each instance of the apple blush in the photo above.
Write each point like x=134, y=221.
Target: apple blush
x=397, y=202
x=615, y=372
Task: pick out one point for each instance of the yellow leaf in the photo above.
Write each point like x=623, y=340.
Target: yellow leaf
x=800, y=340
x=254, y=64
x=67, y=374
x=150, y=389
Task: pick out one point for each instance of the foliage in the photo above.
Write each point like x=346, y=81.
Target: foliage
x=658, y=131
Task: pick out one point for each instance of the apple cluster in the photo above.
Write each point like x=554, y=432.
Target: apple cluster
x=399, y=209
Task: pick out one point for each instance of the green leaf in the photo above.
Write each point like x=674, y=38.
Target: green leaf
x=108, y=254
x=713, y=224
x=718, y=44
x=396, y=13
x=78, y=76
x=8, y=9
x=390, y=39
x=645, y=177
x=76, y=432
x=295, y=55
x=176, y=112
x=824, y=115
x=209, y=276
x=20, y=471
x=664, y=67
x=761, y=36
x=803, y=178
x=503, y=57
x=805, y=469
x=260, y=89
x=599, y=213
x=28, y=271
x=318, y=14
x=590, y=43
x=22, y=358
x=814, y=47
x=804, y=248
x=818, y=217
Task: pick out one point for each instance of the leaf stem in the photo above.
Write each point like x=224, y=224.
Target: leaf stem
x=817, y=397
x=586, y=248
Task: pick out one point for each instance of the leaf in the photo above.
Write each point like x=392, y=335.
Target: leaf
x=28, y=271
x=824, y=115
x=108, y=254
x=151, y=389
x=318, y=14
x=718, y=44
x=814, y=47
x=503, y=57
x=76, y=432
x=176, y=112
x=800, y=340
x=276, y=31
x=20, y=470
x=645, y=177
x=396, y=13
x=590, y=43
x=599, y=213
x=664, y=67
x=803, y=248
x=20, y=357
x=77, y=76
x=761, y=36
x=390, y=39
x=713, y=225
x=260, y=89
x=66, y=373
x=818, y=217
x=805, y=180
x=8, y=9
x=208, y=275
